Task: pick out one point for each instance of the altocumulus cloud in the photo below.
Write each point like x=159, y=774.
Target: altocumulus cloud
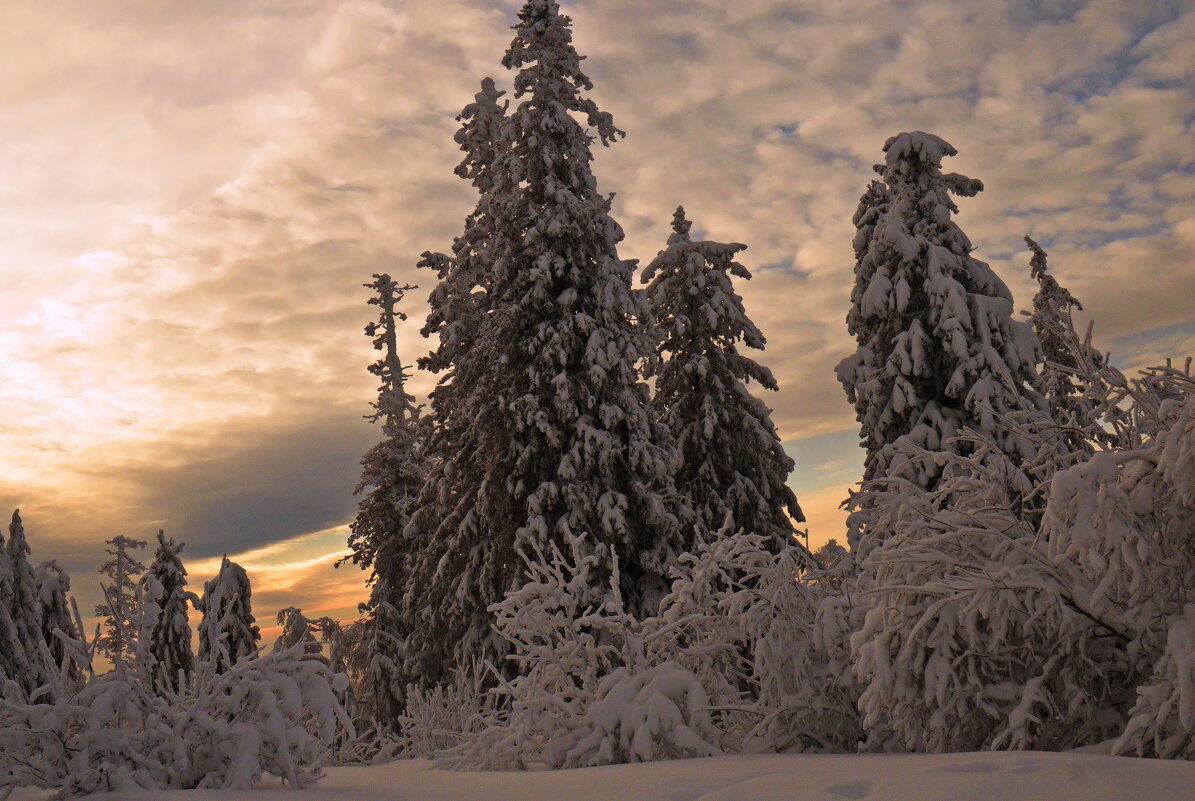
x=195, y=192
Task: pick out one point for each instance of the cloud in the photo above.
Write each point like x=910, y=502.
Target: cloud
x=196, y=193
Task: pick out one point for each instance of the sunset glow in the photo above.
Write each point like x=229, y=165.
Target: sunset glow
x=194, y=194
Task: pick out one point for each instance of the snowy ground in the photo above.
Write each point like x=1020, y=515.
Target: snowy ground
x=934, y=777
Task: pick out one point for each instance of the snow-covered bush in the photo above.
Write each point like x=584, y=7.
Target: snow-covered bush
x=644, y=715
x=565, y=635
x=1162, y=722
x=438, y=718
x=276, y=713
x=997, y=625
x=974, y=637
x=767, y=637
x=747, y=653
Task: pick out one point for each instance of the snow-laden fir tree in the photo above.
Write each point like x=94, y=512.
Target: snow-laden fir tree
x=57, y=614
x=938, y=349
x=228, y=631
x=458, y=311
x=993, y=625
x=560, y=437
x=733, y=468
x=458, y=303
x=296, y=629
x=22, y=655
x=169, y=636
x=945, y=388
x=393, y=472
x=120, y=593
x=1066, y=397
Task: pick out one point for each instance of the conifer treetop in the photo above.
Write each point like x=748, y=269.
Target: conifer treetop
x=1066, y=393
x=228, y=630
x=550, y=70
x=938, y=348
x=167, y=602
x=394, y=404
x=481, y=134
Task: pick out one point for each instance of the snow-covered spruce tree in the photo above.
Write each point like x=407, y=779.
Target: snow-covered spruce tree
x=169, y=633
x=228, y=631
x=458, y=311
x=297, y=629
x=57, y=615
x=938, y=349
x=1070, y=402
x=393, y=471
x=458, y=303
x=560, y=438
x=23, y=656
x=953, y=650
x=732, y=463
x=120, y=607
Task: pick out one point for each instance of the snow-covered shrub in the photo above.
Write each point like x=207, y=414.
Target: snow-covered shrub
x=1125, y=519
x=749, y=652
x=565, y=634
x=438, y=718
x=974, y=637
x=644, y=715
x=995, y=624
x=276, y=713
x=767, y=637
x=1162, y=722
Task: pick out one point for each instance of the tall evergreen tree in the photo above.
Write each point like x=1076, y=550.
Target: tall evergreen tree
x=938, y=349
x=120, y=607
x=21, y=657
x=458, y=303
x=392, y=470
x=228, y=630
x=733, y=468
x=53, y=586
x=1064, y=391
x=170, y=630
x=560, y=439
x=395, y=468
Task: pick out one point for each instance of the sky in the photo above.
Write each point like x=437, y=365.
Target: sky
x=194, y=194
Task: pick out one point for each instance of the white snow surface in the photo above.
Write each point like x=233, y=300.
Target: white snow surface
x=989, y=776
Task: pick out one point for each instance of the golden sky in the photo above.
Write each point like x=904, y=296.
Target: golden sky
x=193, y=194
